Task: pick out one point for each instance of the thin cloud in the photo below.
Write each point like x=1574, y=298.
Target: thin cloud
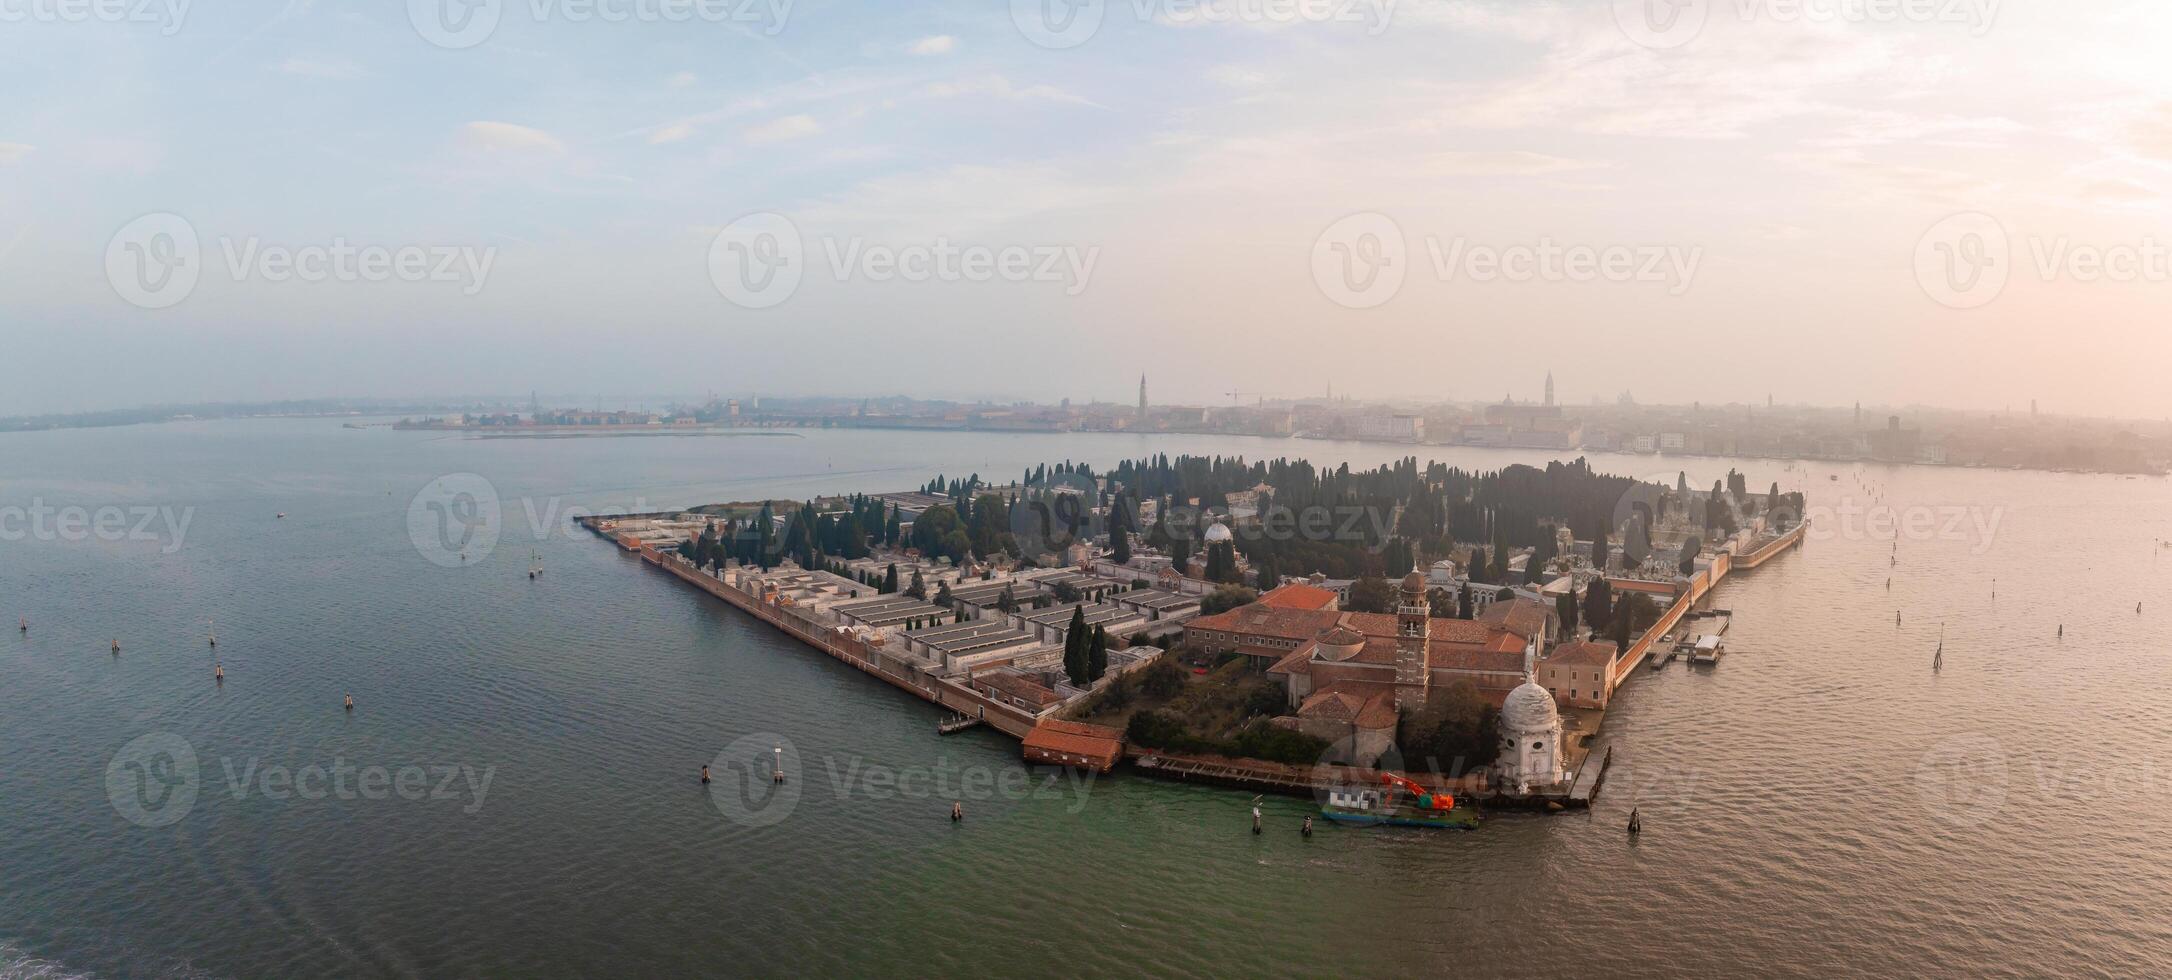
x=999, y=87
x=939, y=44
x=509, y=137
x=783, y=130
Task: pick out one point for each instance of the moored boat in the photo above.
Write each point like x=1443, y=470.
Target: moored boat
x=1401, y=803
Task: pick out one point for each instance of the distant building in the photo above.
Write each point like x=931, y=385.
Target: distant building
x=1391, y=428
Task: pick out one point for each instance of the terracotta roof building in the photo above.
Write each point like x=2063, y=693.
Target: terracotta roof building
x=1524, y=617
x=1057, y=742
x=1014, y=689
x=1300, y=596
x=1356, y=721
x=1315, y=650
x=1579, y=674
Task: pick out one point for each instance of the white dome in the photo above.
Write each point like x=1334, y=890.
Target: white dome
x=1529, y=709
x=1217, y=534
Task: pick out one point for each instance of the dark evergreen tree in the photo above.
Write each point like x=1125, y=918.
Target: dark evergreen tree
x=1097, y=655
x=1075, y=644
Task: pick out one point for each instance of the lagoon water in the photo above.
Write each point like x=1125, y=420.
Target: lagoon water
x=1820, y=802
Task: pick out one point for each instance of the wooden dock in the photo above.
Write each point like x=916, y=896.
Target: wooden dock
x=955, y=724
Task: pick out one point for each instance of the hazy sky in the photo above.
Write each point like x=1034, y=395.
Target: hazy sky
x=1691, y=200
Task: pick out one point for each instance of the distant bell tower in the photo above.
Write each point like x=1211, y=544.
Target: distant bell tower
x=1549, y=389
x=1413, y=629
x=1142, y=397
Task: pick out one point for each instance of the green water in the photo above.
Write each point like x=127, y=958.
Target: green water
x=1790, y=825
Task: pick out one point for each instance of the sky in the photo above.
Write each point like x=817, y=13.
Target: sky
x=1951, y=202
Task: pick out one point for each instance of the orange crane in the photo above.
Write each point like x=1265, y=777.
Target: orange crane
x=1427, y=799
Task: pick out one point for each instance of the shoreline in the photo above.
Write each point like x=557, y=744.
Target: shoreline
x=1248, y=774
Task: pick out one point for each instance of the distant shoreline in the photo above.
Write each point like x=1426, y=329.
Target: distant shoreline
x=576, y=433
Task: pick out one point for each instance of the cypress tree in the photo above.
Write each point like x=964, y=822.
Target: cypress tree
x=1075, y=642
x=1097, y=655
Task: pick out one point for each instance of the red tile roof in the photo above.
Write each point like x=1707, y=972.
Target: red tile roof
x=1520, y=616
x=1264, y=620
x=1074, y=743
x=1363, y=705
x=1583, y=653
x=1298, y=596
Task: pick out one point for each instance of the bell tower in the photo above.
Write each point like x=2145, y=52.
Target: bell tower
x=1413, y=629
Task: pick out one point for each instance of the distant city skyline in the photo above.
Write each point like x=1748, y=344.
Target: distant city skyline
x=1962, y=211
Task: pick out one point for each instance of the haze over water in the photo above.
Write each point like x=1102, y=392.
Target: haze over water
x=1819, y=802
